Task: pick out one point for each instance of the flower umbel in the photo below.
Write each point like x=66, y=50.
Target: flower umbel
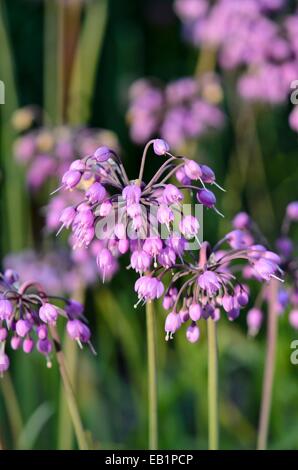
x=285, y=256
x=133, y=215
x=28, y=317
x=199, y=290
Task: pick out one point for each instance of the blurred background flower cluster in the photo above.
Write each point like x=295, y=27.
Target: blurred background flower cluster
x=215, y=80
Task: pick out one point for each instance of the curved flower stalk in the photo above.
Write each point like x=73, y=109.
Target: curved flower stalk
x=181, y=111
x=277, y=300
x=28, y=318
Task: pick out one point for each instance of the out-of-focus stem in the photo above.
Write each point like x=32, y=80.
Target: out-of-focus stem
x=69, y=393
x=246, y=172
x=269, y=366
x=212, y=385
x=152, y=377
x=206, y=61
x=53, y=61
x=65, y=429
x=258, y=177
x=85, y=62
x=14, y=199
x=71, y=34
x=12, y=407
x=143, y=161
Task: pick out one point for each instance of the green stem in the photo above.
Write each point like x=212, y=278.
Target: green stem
x=12, y=408
x=212, y=385
x=71, y=32
x=269, y=367
x=88, y=53
x=65, y=429
x=69, y=393
x=152, y=377
x=246, y=173
x=53, y=61
x=206, y=61
x=14, y=201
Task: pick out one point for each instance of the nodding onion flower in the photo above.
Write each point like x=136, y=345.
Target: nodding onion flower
x=198, y=290
x=135, y=216
x=28, y=318
x=287, y=298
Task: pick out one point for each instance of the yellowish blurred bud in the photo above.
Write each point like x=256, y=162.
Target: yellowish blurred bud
x=22, y=119
x=212, y=92
x=44, y=141
x=85, y=184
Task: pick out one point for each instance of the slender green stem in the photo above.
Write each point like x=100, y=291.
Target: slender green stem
x=246, y=173
x=12, y=407
x=212, y=385
x=69, y=393
x=71, y=32
x=65, y=429
x=60, y=88
x=142, y=167
x=86, y=60
x=152, y=377
x=269, y=367
x=53, y=61
x=206, y=61
x=14, y=201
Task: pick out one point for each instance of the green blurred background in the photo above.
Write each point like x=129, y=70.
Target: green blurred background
x=142, y=38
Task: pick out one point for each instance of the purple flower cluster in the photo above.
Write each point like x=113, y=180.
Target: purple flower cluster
x=28, y=317
x=130, y=216
x=183, y=110
x=48, y=151
x=81, y=264
x=288, y=293
x=199, y=290
x=257, y=37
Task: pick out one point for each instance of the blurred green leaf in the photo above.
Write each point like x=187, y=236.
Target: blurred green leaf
x=34, y=426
